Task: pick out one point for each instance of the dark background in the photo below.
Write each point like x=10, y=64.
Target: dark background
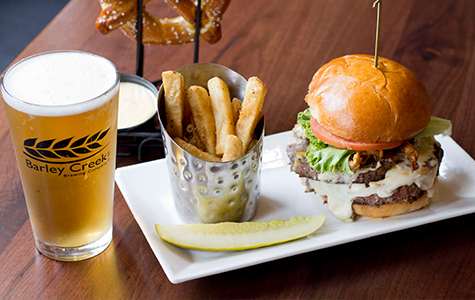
x=21, y=21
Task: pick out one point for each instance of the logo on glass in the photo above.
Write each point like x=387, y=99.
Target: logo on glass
x=64, y=151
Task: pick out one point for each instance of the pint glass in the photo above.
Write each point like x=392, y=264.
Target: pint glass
x=62, y=111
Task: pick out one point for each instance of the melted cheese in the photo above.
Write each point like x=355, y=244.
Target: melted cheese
x=339, y=196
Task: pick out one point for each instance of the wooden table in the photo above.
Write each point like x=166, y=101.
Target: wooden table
x=284, y=42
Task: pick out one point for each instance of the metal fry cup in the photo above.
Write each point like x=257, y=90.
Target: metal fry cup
x=212, y=192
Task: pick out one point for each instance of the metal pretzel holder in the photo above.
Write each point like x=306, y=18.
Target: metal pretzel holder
x=211, y=192
x=145, y=141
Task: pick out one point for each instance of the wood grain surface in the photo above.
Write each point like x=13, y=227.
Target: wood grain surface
x=284, y=43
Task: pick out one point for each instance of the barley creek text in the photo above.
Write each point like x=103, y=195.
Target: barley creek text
x=71, y=168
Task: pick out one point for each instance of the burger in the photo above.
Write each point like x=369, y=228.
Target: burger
x=365, y=144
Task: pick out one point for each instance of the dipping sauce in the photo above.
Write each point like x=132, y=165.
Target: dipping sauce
x=137, y=104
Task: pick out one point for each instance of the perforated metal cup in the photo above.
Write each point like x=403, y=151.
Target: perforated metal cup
x=211, y=192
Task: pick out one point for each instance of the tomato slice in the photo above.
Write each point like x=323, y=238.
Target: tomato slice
x=336, y=141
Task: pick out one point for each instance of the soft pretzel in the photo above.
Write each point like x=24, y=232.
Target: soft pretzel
x=178, y=30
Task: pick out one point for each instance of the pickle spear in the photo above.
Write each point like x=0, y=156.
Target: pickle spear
x=230, y=236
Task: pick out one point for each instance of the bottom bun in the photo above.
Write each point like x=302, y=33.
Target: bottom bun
x=390, y=209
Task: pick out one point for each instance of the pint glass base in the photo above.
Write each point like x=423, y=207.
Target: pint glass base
x=75, y=253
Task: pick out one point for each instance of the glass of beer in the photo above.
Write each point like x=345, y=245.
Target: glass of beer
x=62, y=110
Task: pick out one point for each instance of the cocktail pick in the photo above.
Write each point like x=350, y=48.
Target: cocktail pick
x=377, y=4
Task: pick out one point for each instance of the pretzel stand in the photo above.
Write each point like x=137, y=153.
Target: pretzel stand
x=145, y=141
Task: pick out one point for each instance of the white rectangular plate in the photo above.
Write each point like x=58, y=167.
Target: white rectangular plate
x=147, y=191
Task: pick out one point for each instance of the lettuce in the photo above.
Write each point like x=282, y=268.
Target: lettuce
x=436, y=126
x=329, y=159
x=320, y=156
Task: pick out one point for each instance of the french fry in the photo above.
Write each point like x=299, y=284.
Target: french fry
x=236, y=103
x=251, y=110
x=195, y=151
x=187, y=119
x=174, y=86
x=191, y=136
x=222, y=110
x=232, y=148
x=202, y=113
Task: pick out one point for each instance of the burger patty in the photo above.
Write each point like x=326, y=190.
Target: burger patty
x=298, y=162
x=376, y=172
x=300, y=166
x=408, y=193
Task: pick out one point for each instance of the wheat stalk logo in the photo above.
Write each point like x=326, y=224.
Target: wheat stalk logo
x=52, y=149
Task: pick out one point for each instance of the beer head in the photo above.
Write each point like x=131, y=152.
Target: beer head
x=59, y=83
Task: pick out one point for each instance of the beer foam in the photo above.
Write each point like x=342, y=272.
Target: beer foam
x=59, y=83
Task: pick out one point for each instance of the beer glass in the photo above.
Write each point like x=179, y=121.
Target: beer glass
x=62, y=111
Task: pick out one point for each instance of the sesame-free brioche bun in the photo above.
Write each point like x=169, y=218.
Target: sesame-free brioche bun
x=353, y=100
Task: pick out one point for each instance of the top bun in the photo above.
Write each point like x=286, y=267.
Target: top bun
x=352, y=99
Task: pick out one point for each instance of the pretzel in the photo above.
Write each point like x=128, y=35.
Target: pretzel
x=170, y=31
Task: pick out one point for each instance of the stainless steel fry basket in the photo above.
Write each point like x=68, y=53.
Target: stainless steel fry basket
x=211, y=192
